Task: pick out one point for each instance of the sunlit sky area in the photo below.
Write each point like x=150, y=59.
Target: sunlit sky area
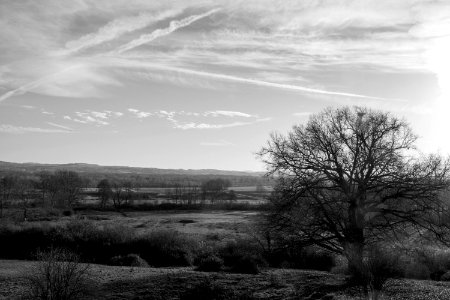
x=202, y=84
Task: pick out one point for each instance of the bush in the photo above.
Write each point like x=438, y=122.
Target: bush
x=416, y=271
x=379, y=266
x=298, y=257
x=129, y=260
x=210, y=263
x=58, y=275
x=246, y=265
x=242, y=256
x=445, y=276
x=437, y=261
x=165, y=248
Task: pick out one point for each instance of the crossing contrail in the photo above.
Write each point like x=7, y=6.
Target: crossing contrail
x=174, y=25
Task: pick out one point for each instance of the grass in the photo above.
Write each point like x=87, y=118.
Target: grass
x=173, y=283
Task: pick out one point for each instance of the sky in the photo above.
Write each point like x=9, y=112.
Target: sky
x=202, y=84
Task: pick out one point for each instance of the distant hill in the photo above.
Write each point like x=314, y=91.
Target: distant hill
x=93, y=168
x=141, y=177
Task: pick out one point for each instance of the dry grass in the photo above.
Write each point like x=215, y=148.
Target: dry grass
x=172, y=283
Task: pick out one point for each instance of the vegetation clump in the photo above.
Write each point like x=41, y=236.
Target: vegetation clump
x=58, y=275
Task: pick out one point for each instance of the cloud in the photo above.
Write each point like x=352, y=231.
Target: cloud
x=193, y=125
x=211, y=75
x=7, y=128
x=60, y=126
x=140, y=114
x=267, y=43
x=98, y=118
x=32, y=85
x=174, y=25
x=115, y=29
x=178, y=118
x=226, y=113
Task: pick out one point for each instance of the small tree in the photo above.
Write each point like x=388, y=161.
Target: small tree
x=23, y=192
x=118, y=194
x=352, y=177
x=104, y=191
x=58, y=275
x=69, y=185
x=214, y=187
x=7, y=184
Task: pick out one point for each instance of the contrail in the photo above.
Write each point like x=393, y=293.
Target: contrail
x=31, y=85
x=251, y=81
x=174, y=25
x=114, y=29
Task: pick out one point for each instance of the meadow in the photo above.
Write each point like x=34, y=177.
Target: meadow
x=172, y=247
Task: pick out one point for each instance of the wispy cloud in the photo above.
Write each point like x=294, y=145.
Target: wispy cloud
x=140, y=114
x=98, y=118
x=226, y=113
x=174, y=25
x=178, y=118
x=193, y=125
x=32, y=85
x=60, y=126
x=233, y=78
x=115, y=29
x=8, y=128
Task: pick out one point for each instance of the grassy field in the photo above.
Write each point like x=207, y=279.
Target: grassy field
x=175, y=283
x=215, y=227
x=200, y=223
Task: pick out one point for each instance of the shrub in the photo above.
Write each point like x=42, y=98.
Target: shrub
x=209, y=263
x=246, y=265
x=379, y=266
x=242, y=256
x=437, y=261
x=58, y=275
x=165, y=248
x=445, y=276
x=130, y=260
x=295, y=256
x=416, y=271
x=311, y=258
x=67, y=212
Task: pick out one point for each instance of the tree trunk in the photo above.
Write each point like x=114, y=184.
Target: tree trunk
x=354, y=254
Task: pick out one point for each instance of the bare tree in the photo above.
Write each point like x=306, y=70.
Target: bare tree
x=24, y=192
x=7, y=184
x=104, y=191
x=69, y=186
x=118, y=195
x=213, y=188
x=352, y=176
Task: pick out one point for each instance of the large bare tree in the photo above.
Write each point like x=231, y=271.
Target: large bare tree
x=352, y=176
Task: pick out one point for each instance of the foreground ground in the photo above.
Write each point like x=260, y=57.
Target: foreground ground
x=173, y=283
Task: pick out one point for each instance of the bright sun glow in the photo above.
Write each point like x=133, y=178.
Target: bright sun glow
x=438, y=59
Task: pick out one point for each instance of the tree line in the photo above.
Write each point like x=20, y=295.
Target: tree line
x=63, y=189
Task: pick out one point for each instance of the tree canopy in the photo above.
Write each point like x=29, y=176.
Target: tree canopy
x=353, y=176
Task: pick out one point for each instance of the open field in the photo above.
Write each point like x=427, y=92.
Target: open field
x=198, y=223
x=174, y=283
